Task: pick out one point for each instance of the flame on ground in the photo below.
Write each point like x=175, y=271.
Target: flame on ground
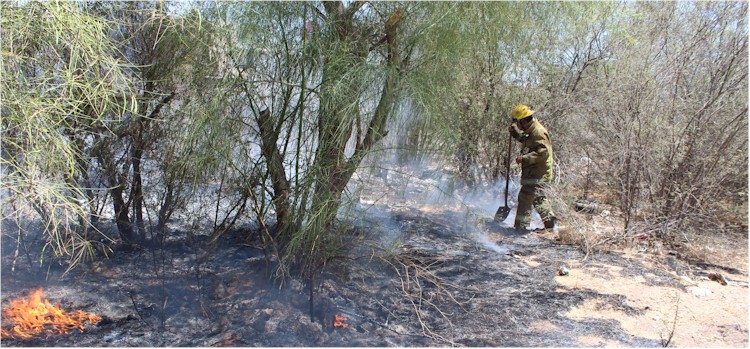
x=35, y=315
x=339, y=322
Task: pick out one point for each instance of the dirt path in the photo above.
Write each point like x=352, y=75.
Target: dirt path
x=694, y=310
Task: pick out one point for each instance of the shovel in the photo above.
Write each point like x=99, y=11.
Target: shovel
x=504, y=210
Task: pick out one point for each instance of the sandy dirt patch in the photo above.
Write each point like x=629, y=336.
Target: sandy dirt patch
x=707, y=314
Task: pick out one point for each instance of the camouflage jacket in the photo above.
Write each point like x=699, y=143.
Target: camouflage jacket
x=536, y=161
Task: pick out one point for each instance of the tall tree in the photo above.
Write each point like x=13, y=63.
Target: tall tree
x=319, y=83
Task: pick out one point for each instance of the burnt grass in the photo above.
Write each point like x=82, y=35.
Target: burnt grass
x=438, y=287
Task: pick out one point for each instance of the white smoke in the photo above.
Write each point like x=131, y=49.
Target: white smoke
x=482, y=239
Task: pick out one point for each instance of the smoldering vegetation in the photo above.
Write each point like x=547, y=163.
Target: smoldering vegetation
x=434, y=274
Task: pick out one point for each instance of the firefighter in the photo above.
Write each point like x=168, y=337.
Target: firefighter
x=536, y=168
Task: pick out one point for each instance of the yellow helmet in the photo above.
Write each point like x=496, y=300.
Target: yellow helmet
x=520, y=112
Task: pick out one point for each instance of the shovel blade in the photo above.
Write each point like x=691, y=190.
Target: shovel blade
x=502, y=213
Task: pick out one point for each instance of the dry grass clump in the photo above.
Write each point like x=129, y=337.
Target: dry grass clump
x=589, y=230
x=727, y=250
x=723, y=241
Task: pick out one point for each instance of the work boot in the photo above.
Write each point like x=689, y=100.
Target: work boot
x=551, y=224
x=522, y=231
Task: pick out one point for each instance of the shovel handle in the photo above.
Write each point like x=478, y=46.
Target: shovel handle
x=507, y=168
x=504, y=210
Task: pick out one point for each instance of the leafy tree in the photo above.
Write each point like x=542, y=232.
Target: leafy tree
x=62, y=83
x=308, y=74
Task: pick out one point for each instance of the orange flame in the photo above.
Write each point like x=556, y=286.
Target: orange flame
x=35, y=315
x=339, y=322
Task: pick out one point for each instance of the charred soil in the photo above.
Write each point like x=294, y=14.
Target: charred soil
x=449, y=279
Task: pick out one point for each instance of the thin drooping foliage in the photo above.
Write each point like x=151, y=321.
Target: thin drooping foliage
x=471, y=77
x=62, y=83
x=316, y=84
x=85, y=88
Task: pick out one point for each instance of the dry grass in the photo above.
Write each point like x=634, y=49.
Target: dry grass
x=603, y=232
x=723, y=241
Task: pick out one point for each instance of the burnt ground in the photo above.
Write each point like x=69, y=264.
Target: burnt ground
x=450, y=278
x=464, y=293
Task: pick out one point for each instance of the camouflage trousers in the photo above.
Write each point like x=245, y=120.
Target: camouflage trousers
x=532, y=196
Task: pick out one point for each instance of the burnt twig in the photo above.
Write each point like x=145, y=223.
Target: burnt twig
x=665, y=343
x=312, y=288
x=397, y=332
x=411, y=270
x=20, y=241
x=205, y=311
x=132, y=299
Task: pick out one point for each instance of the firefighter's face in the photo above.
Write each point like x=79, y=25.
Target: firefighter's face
x=523, y=123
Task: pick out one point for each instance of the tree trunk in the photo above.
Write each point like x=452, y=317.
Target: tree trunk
x=335, y=170
x=136, y=189
x=124, y=227
x=116, y=184
x=275, y=163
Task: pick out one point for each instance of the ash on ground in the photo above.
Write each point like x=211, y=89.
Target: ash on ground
x=447, y=276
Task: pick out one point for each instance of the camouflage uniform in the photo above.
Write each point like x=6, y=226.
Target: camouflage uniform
x=536, y=173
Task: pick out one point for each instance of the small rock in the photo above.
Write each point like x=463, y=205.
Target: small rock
x=718, y=277
x=398, y=329
x=221, y=291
